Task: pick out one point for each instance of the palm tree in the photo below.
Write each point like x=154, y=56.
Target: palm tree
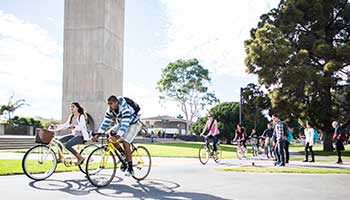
x=11, y=107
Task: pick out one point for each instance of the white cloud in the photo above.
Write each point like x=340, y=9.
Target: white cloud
x=30, y=67
x=212, y=31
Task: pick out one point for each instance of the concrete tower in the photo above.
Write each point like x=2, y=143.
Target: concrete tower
x=93, y=54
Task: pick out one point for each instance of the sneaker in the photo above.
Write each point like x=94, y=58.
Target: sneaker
x=123, y=168
x=305, y=161
x=312, y=161
x=339, y=162
x=282, y=165
x=129, y=172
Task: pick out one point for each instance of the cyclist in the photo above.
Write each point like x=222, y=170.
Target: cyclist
x=254, y=142
x=267, y=135
x=77, y=123
x=240, y=135
x=213, y=131
x=127, y=128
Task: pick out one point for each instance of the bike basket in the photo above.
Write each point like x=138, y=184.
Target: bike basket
x=43, y=136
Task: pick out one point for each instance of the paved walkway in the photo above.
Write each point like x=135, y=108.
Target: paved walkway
x=182, y=179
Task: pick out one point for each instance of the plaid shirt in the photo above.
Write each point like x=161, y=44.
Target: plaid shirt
x=279, y=132
x=126, y=117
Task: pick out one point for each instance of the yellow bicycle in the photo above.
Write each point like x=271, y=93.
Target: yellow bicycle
x=101, y=164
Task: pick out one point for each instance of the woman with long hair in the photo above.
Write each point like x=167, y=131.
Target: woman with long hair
x=79, y=134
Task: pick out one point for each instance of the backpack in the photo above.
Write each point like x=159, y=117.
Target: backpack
x=133, y=104
x=341, y=132
x=285, y=128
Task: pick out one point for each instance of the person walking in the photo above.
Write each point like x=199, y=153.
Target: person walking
x=288, y=141
x=309, y=142
x=280, y=140
x=338, y=140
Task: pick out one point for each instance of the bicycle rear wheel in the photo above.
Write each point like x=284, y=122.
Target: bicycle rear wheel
x=100, y=167
x=203, y=154
x=39, y=162
x=218, y=156
x=85, y=152
x=142, y=163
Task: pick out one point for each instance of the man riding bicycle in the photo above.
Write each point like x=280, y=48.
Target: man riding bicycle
x=127, y=128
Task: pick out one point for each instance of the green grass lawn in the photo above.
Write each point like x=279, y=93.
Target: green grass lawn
x=187, y=150
x=11, y=167
x=287, y=170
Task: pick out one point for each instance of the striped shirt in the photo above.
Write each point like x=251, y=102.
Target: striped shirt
x=125, y=115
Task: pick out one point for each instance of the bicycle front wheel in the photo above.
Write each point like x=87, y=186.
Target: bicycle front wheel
x=39, y=162
x=142, y=163
x=203, y=154
x=100, y=167
x=85, y=152
x=239, y=152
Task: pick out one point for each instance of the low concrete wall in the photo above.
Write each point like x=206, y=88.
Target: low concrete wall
x=17, y=130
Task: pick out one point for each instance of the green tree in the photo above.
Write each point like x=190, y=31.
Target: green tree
x=186, y=82
x=254, y=102
x=300, y=52
x=12, y=106
x=227, y=115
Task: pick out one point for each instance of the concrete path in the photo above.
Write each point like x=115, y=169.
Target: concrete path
x=182, y=178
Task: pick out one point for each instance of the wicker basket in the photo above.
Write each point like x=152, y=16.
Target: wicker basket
x=43, y=136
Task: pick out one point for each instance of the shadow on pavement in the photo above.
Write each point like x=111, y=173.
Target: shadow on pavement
x=147, y=189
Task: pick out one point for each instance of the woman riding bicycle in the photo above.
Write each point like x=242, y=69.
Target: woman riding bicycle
x=79, y=134
x=213, y=131
x=240, y=135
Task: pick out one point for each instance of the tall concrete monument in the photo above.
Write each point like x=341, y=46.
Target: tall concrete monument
x=93, y=54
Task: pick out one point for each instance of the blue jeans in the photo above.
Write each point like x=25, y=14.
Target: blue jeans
x=280, y=152
x=215, y=141
x=70, y=141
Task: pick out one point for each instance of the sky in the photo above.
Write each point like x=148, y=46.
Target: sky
x=156, y=32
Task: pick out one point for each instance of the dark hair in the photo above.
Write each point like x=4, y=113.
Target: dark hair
x=275, y=115
x=80, y=110
x=310, y=124
x=240, y=125
x=112, y=98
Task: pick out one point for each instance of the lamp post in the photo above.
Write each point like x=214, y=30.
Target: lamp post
x=240, y=105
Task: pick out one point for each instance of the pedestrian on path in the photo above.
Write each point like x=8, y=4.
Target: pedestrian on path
x=280, y=140
x=337, y=138
x=309, y=142
x=289, y=140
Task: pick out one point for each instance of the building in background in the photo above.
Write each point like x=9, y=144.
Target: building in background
x=166, y=126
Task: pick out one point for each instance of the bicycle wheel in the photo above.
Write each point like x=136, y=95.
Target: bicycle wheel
x=218, y=156
x=203, y=154
x=142, y=163
x=39, y=162
x=100, y=167
x=239, y=152
x=85, y=152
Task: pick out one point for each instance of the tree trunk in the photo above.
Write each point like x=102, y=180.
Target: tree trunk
x=327, y=141
x=327, y=116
